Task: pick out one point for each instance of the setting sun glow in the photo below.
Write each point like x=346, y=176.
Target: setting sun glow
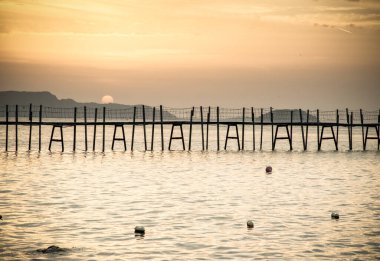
x=106, y=99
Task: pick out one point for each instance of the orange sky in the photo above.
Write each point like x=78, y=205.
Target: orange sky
x=281, y=53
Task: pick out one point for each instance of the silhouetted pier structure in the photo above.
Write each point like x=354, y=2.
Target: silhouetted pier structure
x=282, y=123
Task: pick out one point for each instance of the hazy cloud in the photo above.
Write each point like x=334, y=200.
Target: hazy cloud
x=236, y=52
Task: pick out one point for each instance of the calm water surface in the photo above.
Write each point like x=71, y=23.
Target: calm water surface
x=194, y=205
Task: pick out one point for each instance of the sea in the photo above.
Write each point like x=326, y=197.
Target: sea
x=194, y=205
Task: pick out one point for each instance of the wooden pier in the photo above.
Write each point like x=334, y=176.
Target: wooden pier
x=235, y=122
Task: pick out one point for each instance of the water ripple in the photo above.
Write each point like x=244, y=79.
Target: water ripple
x=194, y=206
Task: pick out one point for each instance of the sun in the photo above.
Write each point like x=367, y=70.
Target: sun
x=106, y=99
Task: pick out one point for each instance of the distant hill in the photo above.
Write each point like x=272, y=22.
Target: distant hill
x=284, y=116
x=49, y=100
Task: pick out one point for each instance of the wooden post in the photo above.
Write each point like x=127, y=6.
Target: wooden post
x=51, y=137
x=133, y=127
x=378, y=131
x=303, y=134
x=171, y=136
x=6, y=126
x=348, y=129
x=253, y=128
x=362, y=124
x=30, y=126
x=85, y=127
x=95, y=120
x=104, y=129
x=63, y=148
x=114, y=136
x=16, y=116
x=125, y=145
x=162, y=129
x=242, y=129
x=262, y=125
x=191, y=126
x=144, y=127
x=203, y=138
x=307, y=128
x=39, y=128
x=75, y=129
x=319, y=145
x=337, y=130
x=351, y=120
x=207, y=126
x=217, y=126
x=271, y=120
x=291, y=130
x=153, y=120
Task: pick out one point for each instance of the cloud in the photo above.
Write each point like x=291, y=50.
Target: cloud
x=343, y=30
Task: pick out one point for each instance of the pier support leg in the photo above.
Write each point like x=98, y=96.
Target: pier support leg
x=104, y=129
x=203, y=137
x=302, y=131
x=133, y=127
x=333, y=137
x=351, y=127
x=144, y=128
x=348, y=130
x=362, y=124
x=176, y=137
x=242, y=129
x=30, y=127
x=261, y=128
x=75, y=129
x=162, y=129
x=232, y=137
x=207, y=126
x=271, y=121
x=288, y=137
x=95, y=124
x=337, y=130
x=85, y=128
x=56, y=140
x=16, y=126
x=6, y=126
x=39, y=128
x=153, y=121
x=318, y=141
x=253, y=130
x=119, y=139
x=367, y=128
x=191, y=127
x=217, y=128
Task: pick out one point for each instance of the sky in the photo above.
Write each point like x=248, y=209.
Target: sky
x=281, y=53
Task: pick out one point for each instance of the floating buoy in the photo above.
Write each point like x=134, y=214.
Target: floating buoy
x=334, y=215
x=250, y=224
x=268, y=169
x=139, y=230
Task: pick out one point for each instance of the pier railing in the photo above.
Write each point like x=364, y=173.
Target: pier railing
x=38, y=115
x=258, y=115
